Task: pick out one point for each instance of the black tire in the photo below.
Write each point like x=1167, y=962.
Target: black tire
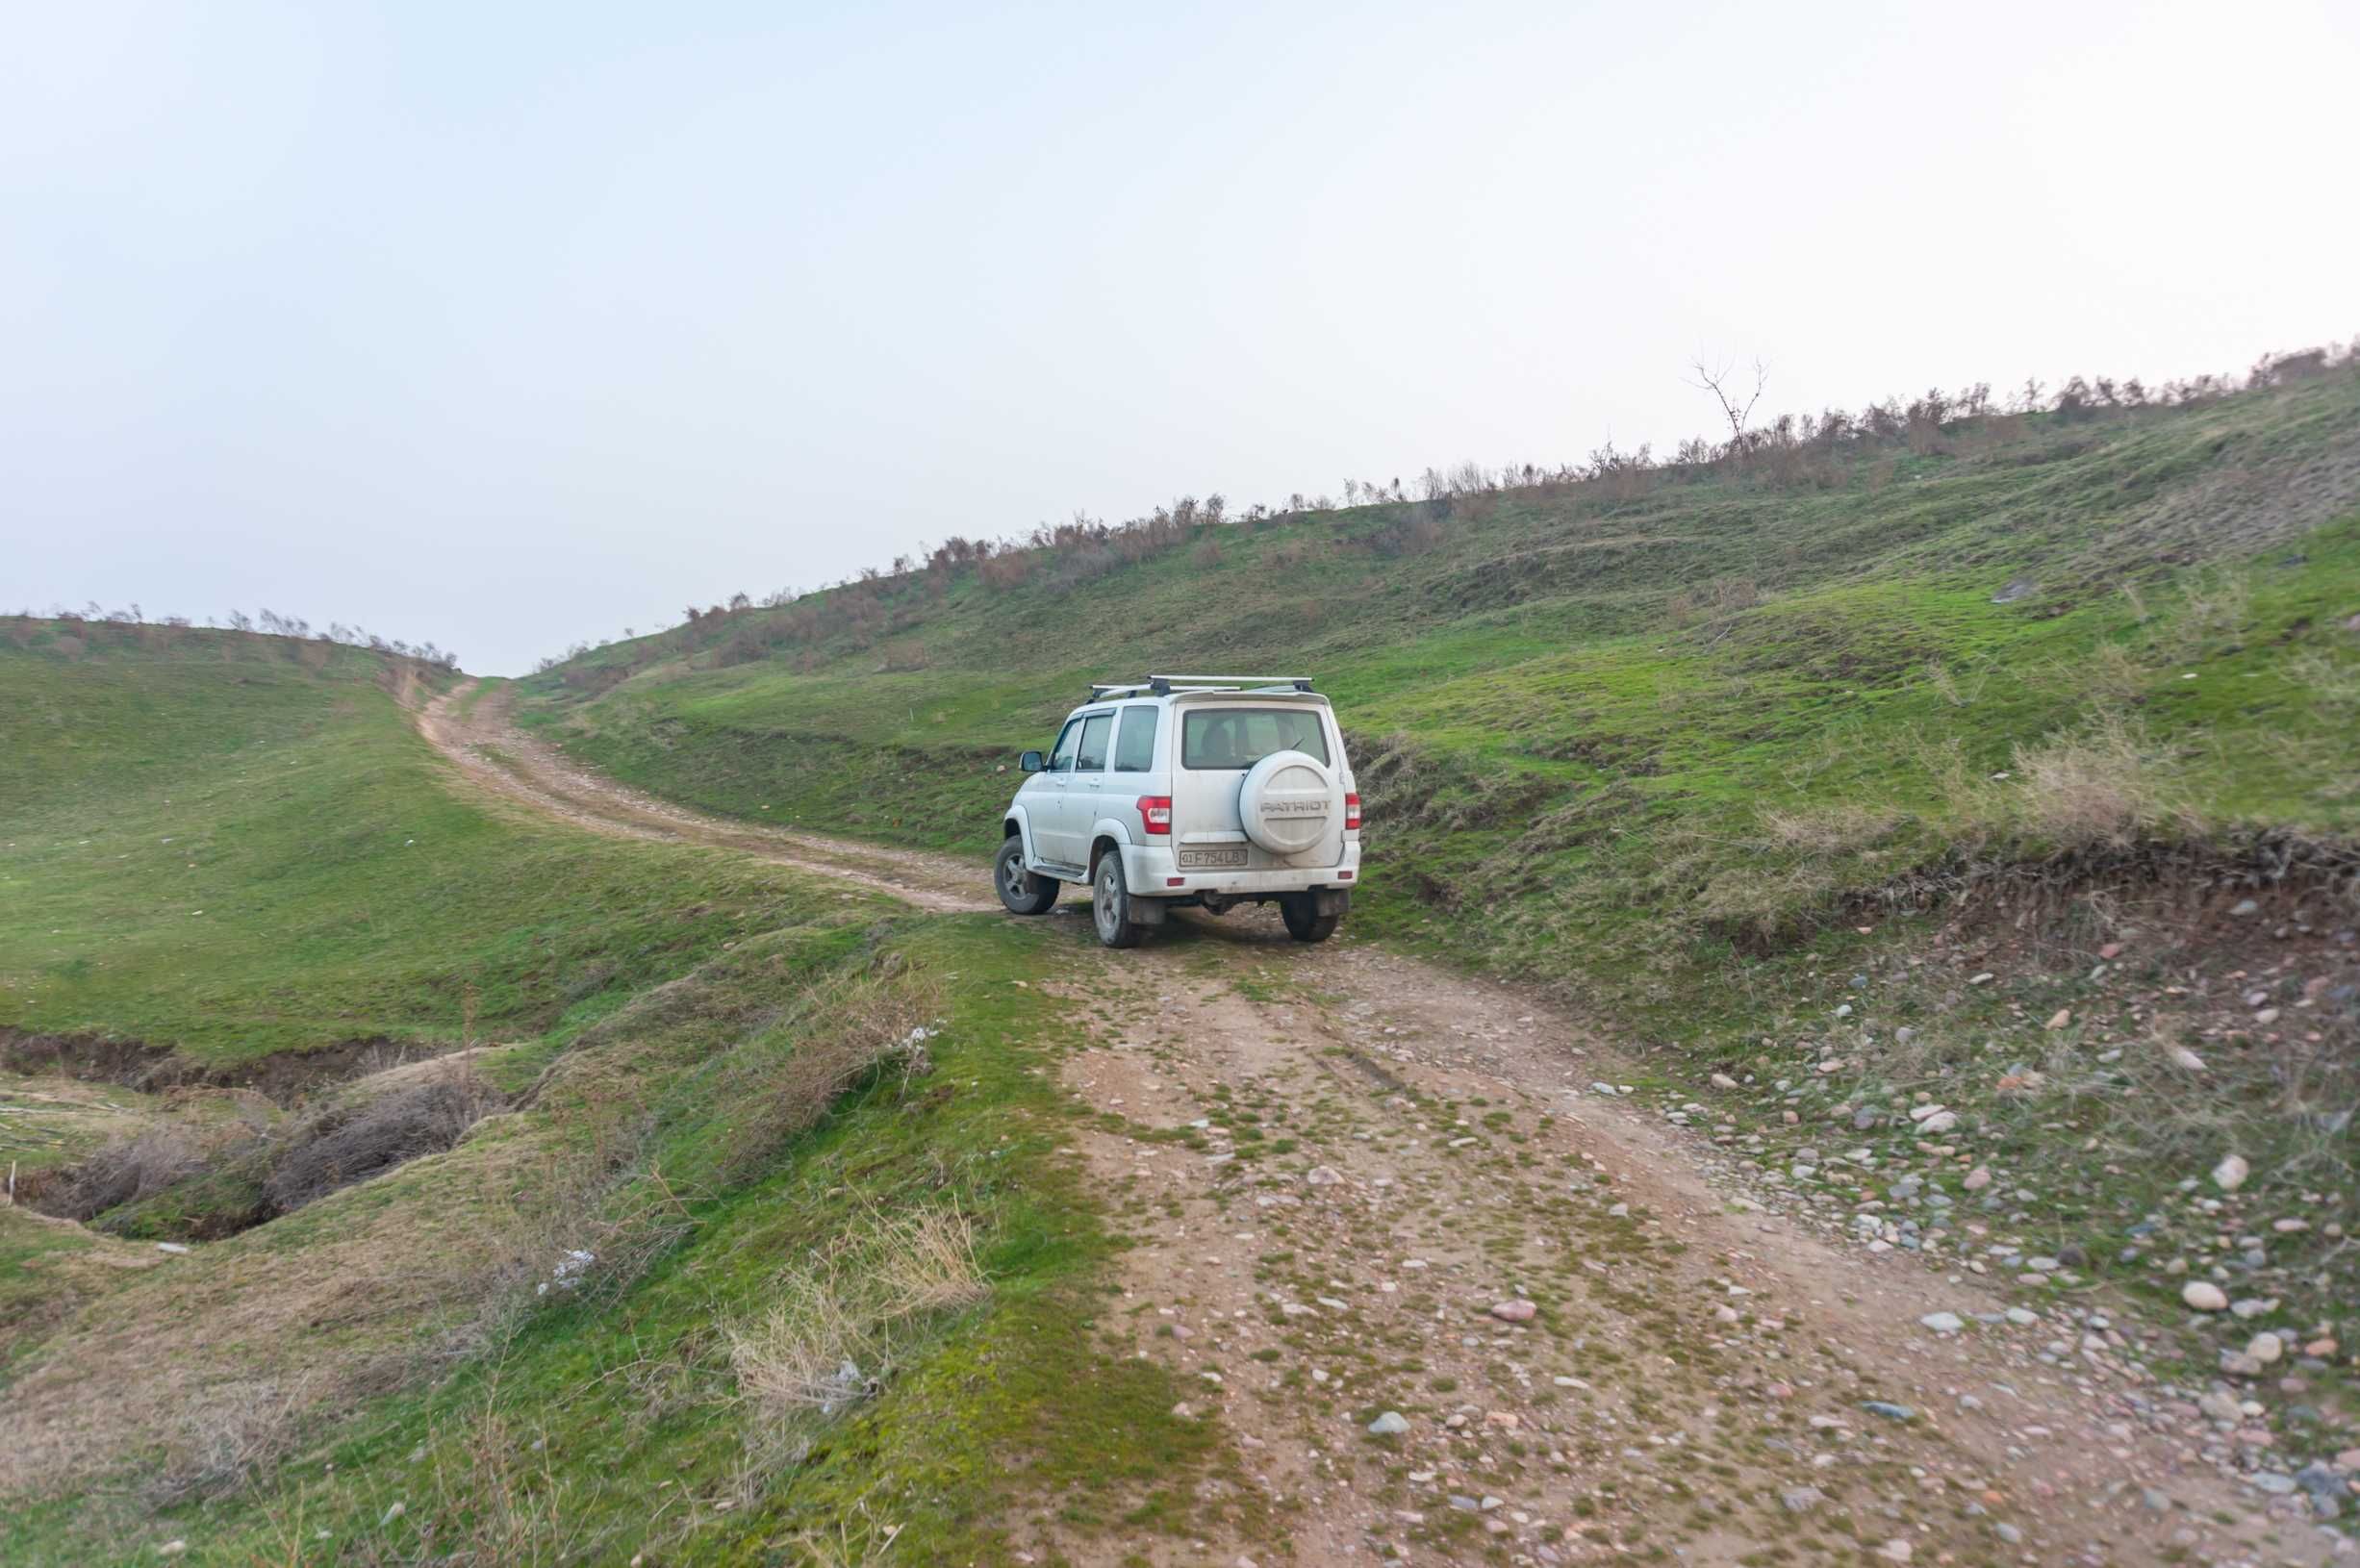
x=1110, y=903
x=1020, y=890
x=1303, y=921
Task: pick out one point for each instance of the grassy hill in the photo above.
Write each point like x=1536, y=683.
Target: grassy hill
x=1609, y=728
x=2006, y=766
x=524, y=1276
x=2000, y=766
x=238, y=847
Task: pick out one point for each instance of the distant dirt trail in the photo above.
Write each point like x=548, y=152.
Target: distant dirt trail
x=491, y=751
x=1335, y=1163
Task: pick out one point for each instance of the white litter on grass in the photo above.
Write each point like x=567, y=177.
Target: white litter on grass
x=569, y=1272
x=843, y=1388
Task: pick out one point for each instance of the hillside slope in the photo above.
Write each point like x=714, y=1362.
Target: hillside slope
x=1613, y=726
x=2006, y=772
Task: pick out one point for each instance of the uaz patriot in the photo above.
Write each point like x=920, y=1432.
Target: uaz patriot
x=1195, y=791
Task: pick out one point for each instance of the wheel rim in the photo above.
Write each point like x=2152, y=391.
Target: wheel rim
x=1012, y=875
x=1108, y=920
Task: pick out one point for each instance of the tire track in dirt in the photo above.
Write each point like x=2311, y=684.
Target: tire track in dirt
x=1335, y=1163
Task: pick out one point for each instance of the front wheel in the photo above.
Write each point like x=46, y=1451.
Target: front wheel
x=1303, y=921
x=1022, y=892
x=1110, y=903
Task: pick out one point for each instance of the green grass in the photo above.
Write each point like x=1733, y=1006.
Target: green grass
x=224, y=851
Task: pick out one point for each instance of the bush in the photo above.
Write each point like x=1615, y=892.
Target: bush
x=124, y=1172
x=342, y=1145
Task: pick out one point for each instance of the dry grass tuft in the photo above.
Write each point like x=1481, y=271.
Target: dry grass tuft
x=1827, y=830
x=2201, y=1099
x=2114, y=672
x=828, y=1339
x=2104, y=787
x=857, y=1539
x=490, y=1497
x=1767, y=900
x=858, y=1026
x=2215, y=611
x=1946, y=684
x=227, y=1432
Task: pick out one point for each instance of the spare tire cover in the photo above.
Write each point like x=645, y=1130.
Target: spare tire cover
x=1287, y=803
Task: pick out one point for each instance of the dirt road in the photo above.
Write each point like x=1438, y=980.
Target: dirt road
x=492, y=752
x=1599, y=1334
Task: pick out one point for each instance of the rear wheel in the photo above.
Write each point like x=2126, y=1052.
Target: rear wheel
x=1110, y=903
x=1303, y=921
x=1022, y=892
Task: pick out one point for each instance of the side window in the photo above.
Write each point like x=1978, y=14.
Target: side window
x=1061, y=759
x=1134, y=748
x=1094, y=732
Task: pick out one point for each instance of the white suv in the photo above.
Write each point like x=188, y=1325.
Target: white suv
x=1207, y=791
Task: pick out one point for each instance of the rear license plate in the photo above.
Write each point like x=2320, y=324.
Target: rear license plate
x=1212, y=859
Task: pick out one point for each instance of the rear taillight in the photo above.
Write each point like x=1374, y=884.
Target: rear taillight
x=1352, y=813
x=1155, y=813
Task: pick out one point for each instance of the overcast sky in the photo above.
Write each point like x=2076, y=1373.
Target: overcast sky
x=518, y=325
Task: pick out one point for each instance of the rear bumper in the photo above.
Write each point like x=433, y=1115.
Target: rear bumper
x=1151, y=871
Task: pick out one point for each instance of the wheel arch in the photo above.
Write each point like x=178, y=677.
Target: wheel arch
x=1016, y=824
x=1105, y=837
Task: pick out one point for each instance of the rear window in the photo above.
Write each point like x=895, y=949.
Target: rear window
x=1134, y=744
x=1218, y=738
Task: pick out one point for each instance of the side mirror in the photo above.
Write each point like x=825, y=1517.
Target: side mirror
x=1029, y=763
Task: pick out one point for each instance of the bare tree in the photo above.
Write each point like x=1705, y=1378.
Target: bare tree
x=1725, y=392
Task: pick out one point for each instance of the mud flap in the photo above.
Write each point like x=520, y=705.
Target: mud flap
x=1332, y=901
x=1147, y=911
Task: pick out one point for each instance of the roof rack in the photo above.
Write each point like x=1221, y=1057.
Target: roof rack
x=1166, y=685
